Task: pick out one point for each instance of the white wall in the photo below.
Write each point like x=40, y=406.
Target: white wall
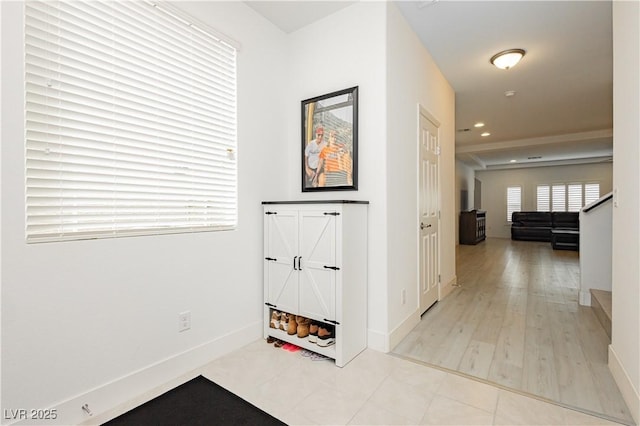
x=343, y=50
x=414, y=79
x=79, y=315
x=495, y=182
x=624, y=354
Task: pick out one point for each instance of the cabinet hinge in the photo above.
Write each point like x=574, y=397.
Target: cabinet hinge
x=335, y=268
x=270, y=258
x=332, y=214
x=270, y=212
x=270, y=304
x=332, y=321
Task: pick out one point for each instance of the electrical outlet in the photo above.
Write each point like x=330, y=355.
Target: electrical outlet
x=403, y=296
x=184, y=321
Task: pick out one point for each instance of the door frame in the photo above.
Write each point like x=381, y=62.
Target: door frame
x=422, y=111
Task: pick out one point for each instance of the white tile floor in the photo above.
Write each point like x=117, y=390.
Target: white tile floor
x=375, y=389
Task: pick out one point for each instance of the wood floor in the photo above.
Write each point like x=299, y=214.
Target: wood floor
x=515, y=321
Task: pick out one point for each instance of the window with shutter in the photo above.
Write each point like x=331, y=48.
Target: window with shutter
x=591, y=192
x=514, y=200
x=574, y=193
x=543, y=199
x=558, y=198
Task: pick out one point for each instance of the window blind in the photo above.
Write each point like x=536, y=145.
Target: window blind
x=558, y=198
x=591, y=192
x=574, y=192
x=130, y=122
x=543, y=194
x=514, y=200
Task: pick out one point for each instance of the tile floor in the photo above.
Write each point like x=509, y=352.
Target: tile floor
x=375, y=389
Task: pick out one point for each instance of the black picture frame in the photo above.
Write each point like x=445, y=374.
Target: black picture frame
x=332, y=163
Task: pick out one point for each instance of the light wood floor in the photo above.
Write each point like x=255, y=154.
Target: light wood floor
x=515, y=321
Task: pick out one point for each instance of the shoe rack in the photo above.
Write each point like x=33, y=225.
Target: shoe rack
x=315, y=266
x=305, y=337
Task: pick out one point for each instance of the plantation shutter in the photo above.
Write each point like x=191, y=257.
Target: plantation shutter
x=130, y=122
x=514, y=200
x=558, y=198
x=574, y=192
x=543, y=198
x=591, y=192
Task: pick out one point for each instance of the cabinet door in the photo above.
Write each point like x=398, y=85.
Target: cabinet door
x=317, y=277
x=282, y=248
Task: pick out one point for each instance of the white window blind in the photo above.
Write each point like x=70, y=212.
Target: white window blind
x=591, y=192
x=558, y=198
x=130, y=122
x=543, y=199
x=514, y=200
x=574, y=193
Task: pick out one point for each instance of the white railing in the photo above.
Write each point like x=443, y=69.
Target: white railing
x=595, y=247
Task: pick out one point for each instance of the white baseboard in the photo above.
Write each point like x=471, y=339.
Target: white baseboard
x=448, y=287
x=585, y=298
x=384, y=342
x=401, y=331
x=377, y=341
x=120, y=395
x=630, y=394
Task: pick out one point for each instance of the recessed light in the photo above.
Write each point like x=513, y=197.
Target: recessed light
x=479, y=124
x=485, y=134
x=513, y=161
x=510, y=93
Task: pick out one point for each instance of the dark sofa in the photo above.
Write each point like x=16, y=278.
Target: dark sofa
x=537, y=226
x=531, y=226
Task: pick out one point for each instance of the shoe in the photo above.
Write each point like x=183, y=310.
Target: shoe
x=284, y=321
x=326, y=335
x=278, y=343
x=275, y=320
x=303, y=326
x=293, y=325
x=271, y=339
x=313, y=332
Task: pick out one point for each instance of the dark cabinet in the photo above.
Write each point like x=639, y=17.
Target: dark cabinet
x=472, y=227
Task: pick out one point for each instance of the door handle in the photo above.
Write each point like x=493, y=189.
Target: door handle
x=294, y=263
x=422, y=225
x=299, y=266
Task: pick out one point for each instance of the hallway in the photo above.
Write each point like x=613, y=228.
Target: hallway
x=515, y=321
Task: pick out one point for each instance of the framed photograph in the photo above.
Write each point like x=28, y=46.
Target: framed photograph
x=330, y=142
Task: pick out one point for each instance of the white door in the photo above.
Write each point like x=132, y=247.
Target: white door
x=281, y=254
x=317, y=266
x=429, y=212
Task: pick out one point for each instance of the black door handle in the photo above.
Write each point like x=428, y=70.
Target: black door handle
x=294, y=263
x=299, y=266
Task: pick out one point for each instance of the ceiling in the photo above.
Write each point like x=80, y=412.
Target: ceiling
x=562, y=109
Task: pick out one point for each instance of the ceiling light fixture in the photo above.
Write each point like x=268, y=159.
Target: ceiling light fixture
x=479, y=124
x=485, y=134
x=507, y=58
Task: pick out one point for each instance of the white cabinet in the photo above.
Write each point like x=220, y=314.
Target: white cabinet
x=315, y=266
